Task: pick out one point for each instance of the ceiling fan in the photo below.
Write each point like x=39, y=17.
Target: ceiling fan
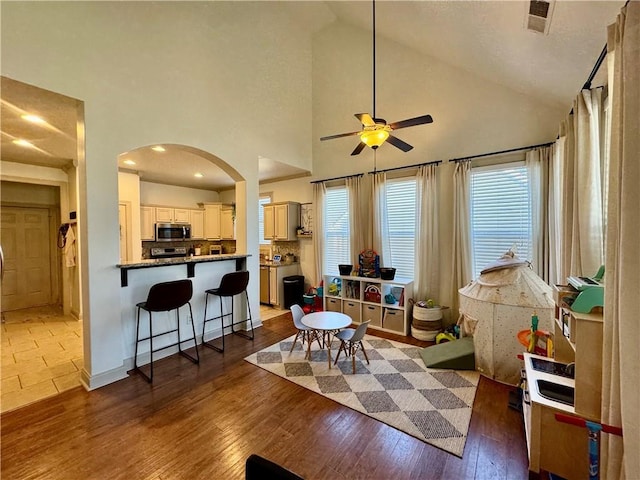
x=375, y=131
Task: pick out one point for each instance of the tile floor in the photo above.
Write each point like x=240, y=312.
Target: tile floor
x=41, y=355
x=267, y=312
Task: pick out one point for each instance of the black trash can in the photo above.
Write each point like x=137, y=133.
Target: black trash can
x=293, y=290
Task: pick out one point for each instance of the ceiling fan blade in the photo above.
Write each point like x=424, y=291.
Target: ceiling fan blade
x=411, y=122
x=358, y=149
x=340, y=135
x=396, y=142
x=365, y=119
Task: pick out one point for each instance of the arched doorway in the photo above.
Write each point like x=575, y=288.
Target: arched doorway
x=42, y=307
x=170, y=183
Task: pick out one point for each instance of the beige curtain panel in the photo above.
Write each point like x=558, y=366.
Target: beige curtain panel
x=621, y=354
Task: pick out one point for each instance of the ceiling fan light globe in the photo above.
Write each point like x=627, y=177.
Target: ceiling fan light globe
x=374, y=138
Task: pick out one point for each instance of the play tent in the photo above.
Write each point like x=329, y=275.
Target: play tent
x=496, y=306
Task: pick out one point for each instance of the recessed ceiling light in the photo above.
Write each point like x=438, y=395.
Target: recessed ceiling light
x=158, y=148
x=33, y=118
x=129, y=162
x=23, y=143
x=198, y=175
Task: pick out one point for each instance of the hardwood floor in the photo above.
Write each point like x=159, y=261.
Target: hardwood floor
x=204, y=421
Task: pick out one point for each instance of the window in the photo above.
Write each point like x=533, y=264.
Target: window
x=401, y=220
x=261, y=203
x=500, y=213
x=337, y=246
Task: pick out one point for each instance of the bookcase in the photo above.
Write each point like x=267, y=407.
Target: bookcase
x=364, y=298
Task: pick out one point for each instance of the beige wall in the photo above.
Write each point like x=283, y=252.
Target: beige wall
x=241, y=80
x=471, y=116
x=157, y=194
x=14, y=192
x=187, y=73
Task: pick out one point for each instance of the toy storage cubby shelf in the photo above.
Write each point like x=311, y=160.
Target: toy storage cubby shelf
x=357, y=297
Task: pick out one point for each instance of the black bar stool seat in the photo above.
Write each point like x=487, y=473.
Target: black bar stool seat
x=232, y=284
x=164, y=297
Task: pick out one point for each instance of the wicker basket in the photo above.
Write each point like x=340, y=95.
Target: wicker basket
x=425, y=335
x=427, y=322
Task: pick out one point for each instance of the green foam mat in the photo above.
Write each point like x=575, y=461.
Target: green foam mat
x=456, y=355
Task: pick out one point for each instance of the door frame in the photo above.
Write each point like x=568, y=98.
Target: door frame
x=64, y=277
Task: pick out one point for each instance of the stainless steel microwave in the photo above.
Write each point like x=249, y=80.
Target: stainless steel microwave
x=172, y=232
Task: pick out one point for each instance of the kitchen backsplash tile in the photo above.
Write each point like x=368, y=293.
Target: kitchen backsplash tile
x=228, y=246
x=284, y=248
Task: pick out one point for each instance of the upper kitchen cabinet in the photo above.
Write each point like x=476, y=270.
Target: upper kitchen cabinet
x=281, y=220
x=212, y=227
x=172, y=215
x=197, y=224
x=227, y=230
x=147, y=223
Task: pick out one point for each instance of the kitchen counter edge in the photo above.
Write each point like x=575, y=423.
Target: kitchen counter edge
x=161, y=262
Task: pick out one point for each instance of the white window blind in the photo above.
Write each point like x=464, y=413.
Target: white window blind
x=401, y=219
x=337, y=248
x=500, y=213
x=261, y=203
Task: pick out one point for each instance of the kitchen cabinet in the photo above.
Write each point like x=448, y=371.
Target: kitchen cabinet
x=271, y=282
x=281, y=221
x=172, y=215
x=147, y=223
x=197, y=224
x=227, y=230
x=269, y=221
x=212, y=221
x=364, y=298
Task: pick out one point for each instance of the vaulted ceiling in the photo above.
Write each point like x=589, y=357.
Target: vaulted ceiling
x=486, y=38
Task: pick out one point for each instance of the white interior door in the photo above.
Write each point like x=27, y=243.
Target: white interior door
x=27, y=258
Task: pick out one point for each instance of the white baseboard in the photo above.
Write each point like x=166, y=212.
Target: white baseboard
x=91, y=382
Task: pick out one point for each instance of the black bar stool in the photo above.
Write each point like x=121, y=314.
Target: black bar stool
x=232, y=284
x=164, y=297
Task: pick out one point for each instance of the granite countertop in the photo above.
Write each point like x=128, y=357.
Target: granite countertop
x=160, y=262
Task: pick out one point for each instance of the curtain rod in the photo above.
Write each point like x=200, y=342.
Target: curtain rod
x=603, y=54
x=501, y=151
x=596, y=67
x=337, y=178
x=437, y=162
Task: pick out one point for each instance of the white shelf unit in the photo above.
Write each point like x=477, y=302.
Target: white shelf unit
x=353, y=301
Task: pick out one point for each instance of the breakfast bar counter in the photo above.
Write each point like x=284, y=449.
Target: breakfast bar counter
x=190, y=262
x=204, y=271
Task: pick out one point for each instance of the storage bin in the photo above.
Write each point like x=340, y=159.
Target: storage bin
x=373, y=313
x=393, y=320
x=345, y=269
x=352, y=309
x=334, y=305
x=387, y=273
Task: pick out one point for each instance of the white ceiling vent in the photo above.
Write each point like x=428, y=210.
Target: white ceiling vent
x=538, y=16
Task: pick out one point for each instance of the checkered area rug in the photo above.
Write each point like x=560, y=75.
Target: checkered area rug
x=395, y=388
